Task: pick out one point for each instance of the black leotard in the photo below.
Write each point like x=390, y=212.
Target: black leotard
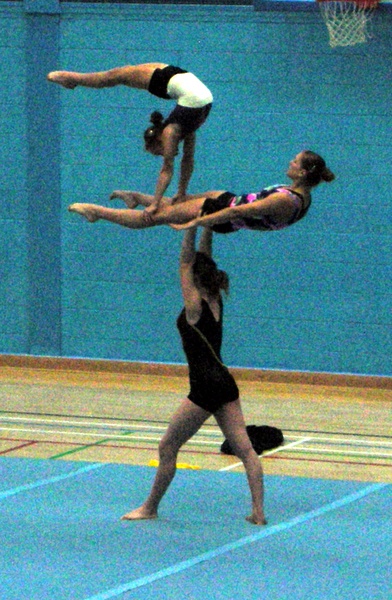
x=211, y=384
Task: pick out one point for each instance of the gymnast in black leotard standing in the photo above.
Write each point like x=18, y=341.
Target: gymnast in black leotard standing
x=212, y=387
x=211, y=384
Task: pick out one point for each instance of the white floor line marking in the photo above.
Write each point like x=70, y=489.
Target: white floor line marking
x=129, y=437
x=97, y=425
x=274, y=451
x=30, y=486
x=263, y=532
x=75, y=433
x=349, y=442
x=124, y=436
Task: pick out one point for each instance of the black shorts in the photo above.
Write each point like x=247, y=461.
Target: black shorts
x=189, y=119
x=213, y=205
x=159, y=80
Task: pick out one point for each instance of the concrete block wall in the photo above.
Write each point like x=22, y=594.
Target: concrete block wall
x=13, y=196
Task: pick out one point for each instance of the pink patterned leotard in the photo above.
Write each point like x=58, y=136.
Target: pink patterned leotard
x=260, y=223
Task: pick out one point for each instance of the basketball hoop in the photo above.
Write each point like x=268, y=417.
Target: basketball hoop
x=347, y=21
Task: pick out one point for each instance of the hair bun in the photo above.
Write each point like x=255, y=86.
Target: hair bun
x=315, y=167
x=156, y=117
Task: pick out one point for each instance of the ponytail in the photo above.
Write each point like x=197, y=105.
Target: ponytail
x=209, y=276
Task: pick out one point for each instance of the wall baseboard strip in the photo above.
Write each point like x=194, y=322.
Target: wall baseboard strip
x=178, y=370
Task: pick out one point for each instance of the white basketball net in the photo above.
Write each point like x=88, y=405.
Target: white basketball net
x=348, y=23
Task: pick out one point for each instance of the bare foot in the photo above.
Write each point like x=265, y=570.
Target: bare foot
x=89, y=211
x=64, y=78
x=139, y=514
x=256, y=520
x=187, y=225
x=128, y=197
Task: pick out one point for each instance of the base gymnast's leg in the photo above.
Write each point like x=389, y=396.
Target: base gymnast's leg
x=231, y=421
x=185, y=422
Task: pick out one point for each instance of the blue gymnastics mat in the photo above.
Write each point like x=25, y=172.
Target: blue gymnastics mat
x=62, y=538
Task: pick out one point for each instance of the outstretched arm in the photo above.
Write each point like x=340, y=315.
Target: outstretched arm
x=188, y=248
x=278, y=206
x=190, y=293
x=170, y=141
x=187, y=165
x=205, y=241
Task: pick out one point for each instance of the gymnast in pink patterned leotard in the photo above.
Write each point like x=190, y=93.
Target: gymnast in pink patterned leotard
x=272, y=208
x=263, y=222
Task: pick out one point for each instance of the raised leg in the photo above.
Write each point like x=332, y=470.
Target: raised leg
x=133, y=199
x=185, y=422
x=134, y=76
x=140, y=219
x=134, y=219
x=231, y=421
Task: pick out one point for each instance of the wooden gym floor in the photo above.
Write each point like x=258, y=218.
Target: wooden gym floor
x=331, y=431
x=75, y=448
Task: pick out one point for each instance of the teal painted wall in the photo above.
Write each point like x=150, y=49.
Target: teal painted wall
x=315, y=297
x=14, y=273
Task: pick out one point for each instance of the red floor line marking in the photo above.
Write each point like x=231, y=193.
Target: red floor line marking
x=333, y=462
x=32, y=443
x=119, y=447
x=211, y=424
x=274, y=457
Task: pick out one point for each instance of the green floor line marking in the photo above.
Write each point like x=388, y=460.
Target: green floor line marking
x=85, y=447
x=104, y=441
